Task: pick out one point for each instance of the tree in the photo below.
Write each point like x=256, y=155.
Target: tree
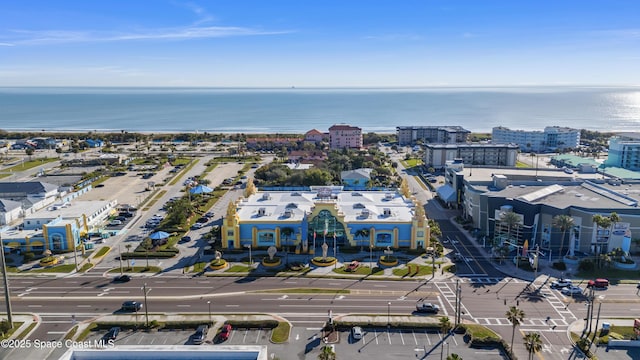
x=445, y=324
x=327, y=353
x=29, y=151
x=361, y=234
x=515, y=317
x=533, y=343
x=286, y=232
x=510, y=219
x=564, y=223
x=602, y=222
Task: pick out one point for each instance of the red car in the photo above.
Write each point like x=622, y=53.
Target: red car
x=225, y=332
x=353, y=266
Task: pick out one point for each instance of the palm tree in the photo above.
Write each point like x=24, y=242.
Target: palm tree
x=445, y=324
x=361, y=234
x=128, y=246
x=564, y=223
x=533, y=343
x=454, y=357
x=510, y=219
x=286, y=232
x=515, y=317
x=327, y=354
x=603, y=222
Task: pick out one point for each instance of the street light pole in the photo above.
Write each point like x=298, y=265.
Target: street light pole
x=7, y=295
x=371, y=258
x=146, y=308
x=209, y=303
x=250, y=259
x=389, y=314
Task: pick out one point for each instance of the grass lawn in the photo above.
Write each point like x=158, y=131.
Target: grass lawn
x=29, y=164
x=198, y=267
x=414, y=270
x=413, y=162
x=137, y=269
x=520, y=164
x=102, y=252
x=281, y=333
x=66, y=268
x=16, y=325
x=481, y=332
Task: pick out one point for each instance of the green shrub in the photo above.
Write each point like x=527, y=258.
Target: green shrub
x=560, y=265
x=586, y=265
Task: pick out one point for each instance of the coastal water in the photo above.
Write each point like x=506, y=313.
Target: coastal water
x=298, y=110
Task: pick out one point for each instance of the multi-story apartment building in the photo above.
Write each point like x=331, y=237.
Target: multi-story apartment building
x=408, y=135
x=345, y=136
x=437, y=155
x=552, y=138
x=624, y=151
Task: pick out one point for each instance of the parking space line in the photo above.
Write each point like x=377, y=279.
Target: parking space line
x=426, y=334
x=244, y=338
x=389, y=336
x=376, y=335
x=454, y=339
x=401, y=338
x=414, y=337
x=258, y=337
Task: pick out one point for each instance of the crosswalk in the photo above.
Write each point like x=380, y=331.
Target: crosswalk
x=487, y=280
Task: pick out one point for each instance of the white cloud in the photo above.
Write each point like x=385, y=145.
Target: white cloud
x=6, y=44
x=27, y=37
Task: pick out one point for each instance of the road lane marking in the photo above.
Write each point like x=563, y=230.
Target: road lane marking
x=39, y=306
x=84, y=306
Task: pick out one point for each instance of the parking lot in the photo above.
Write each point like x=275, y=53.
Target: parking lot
x=376, y=343
x=161, y=337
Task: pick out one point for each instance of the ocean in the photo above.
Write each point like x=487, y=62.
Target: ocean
x=297, y=110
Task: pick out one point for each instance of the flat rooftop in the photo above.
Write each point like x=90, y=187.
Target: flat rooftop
x=584, y=195
x=293, y=205
x=70, y=210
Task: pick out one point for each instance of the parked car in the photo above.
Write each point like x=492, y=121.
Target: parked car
x=356, y=332
x=122, y=278
x=225, y=332
x=200, y=334
x=203, y=220
x=115, y=222
x=561, y=283
x=125, y=214
x=112, y=334
x=210, y=214
x=427, y=308
x=571, y=290
x=185, y=239
x=598, y=284
x=131, y=306
x=353, y=266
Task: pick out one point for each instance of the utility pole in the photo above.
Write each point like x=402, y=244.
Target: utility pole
x=7, y=295
x=146, y=308
x=597, y=321
x=120, y=257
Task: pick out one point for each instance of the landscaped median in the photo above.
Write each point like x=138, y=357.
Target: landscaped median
x=280, y=329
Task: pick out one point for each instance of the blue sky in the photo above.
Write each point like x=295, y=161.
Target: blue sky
x=328, y=43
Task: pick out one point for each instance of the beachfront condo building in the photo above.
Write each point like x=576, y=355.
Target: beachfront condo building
x=345, y=136
x=410, y=135
x=437, y=155
x=553, y=138
x=624, y=151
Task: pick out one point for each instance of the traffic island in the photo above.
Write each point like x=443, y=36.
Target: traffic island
x=324, y=261
x=218, y=264
x=271, y=262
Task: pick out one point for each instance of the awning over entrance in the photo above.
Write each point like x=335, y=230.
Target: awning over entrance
x=446, y=193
